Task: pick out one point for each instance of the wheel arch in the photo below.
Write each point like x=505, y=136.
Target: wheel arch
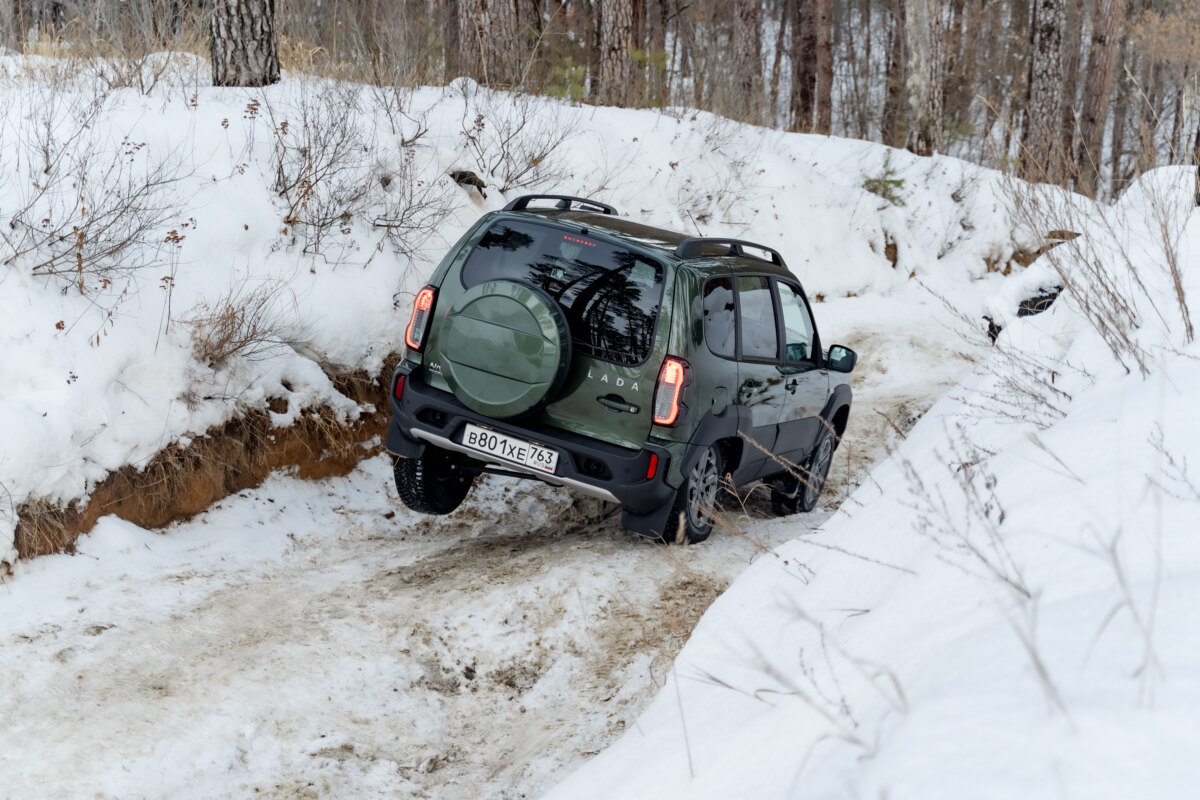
x=836, y=413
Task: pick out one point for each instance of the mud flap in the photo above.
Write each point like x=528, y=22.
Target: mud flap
x=399, y=443
x=651, y=524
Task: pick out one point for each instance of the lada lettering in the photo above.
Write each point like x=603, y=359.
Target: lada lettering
x=620, y=382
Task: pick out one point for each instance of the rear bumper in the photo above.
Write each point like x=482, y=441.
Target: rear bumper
x=426, y=415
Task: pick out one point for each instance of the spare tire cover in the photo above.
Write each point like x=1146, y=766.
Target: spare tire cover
x=505, y=348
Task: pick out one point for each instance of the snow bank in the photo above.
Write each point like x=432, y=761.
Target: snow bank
x=1007, y=608
x=328, y=204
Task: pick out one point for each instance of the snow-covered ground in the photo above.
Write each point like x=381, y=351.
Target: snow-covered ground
x=140, y=225
x=1011, y=607
x=995, y=602
x=317, y=639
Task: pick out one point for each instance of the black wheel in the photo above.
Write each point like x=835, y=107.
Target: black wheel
x=433, y=483
x=696, y=503
x=794, y=493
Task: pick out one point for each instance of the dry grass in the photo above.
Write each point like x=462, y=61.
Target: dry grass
x=243, y=323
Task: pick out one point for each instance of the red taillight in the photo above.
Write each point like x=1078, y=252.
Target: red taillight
x=414, y=337
x=666, y=395
x=398, y=389
x=653, y=468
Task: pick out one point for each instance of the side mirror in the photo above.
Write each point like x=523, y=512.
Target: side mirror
x=841, y=359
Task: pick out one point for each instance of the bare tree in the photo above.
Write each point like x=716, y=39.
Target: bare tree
x=893, y=96
x=451, y=44
x=804, y=64
x=824, y=36
x=1069, y=110
x=1106, y=32
x=1125, y=88
x=656, y=30
x=616, y=46
x=502, y=50
x=470, y=37
x=1039, y=142
x=922, y=30
x=245, y=49
x=1196, y=162
x=528, y=42
x=43, y=16
x=747, y=60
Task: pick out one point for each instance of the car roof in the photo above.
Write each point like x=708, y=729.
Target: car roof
x=660, y=239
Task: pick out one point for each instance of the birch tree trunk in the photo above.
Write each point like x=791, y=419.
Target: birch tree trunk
x=777, y=67
x=42, y=16
x=924, y=77
x=1097, y=91
x=245, y=50
x=616, y=48
x=1039, y=143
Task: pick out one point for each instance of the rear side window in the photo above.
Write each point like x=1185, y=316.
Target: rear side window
x=759, y=335
x=719, y=317
x=610, y=295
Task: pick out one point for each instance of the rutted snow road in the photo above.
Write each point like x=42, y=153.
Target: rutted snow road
x=316, y=640
x=354, y=650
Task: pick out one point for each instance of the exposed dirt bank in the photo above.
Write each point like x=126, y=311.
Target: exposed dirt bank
x=180, y=482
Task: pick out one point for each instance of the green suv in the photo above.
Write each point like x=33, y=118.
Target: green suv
x=638, y=365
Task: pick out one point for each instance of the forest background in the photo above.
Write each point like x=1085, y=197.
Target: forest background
x=1087, y=94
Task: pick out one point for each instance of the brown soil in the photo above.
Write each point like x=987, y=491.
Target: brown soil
x=182, y=481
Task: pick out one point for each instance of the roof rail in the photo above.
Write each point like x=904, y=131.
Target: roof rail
x=694, y=248
x=563, y=204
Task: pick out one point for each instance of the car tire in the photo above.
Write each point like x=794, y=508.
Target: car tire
x=693, y=514
x=795, y=493
x=432, y=483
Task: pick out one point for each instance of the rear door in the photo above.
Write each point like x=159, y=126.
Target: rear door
x=611, y=297
x=760, y=383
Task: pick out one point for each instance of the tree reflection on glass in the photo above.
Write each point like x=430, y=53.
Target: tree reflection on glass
x=610, y=295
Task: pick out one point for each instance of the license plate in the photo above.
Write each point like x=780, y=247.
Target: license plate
x=510, y=448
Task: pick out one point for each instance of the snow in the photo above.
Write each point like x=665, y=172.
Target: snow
x=996, y=602
x=1016, y=619
x=310, y=639
x=119, y=380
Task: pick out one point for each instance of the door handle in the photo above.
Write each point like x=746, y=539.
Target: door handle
x=616, y=403
x=747, y=388
x=792, y=385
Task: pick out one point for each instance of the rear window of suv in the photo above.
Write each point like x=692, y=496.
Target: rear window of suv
x=609, y=295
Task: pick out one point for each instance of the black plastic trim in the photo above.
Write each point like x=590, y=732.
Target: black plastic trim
x=627, y=467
